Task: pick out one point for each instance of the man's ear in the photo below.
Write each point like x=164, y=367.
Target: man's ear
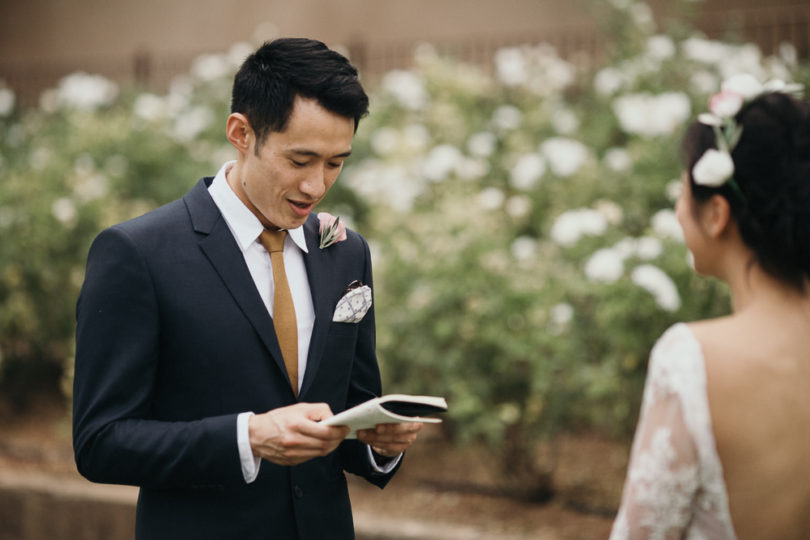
x=716, y=215
x=239, y=132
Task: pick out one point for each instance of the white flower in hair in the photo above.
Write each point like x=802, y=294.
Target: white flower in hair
x=713, y=168
x=778, y=85
x=710, y=119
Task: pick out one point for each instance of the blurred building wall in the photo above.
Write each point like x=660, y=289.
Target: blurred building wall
x=148, y=40
x=34, y=29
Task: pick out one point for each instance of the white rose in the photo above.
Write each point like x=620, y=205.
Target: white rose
x=491, y=198
x=6, y=101
x=618, y=159
x=744, y=84
x=511, y=66
x=608, y=81
x=407, y=87
x=659, y=284
x=665, y=224
x=527, y=171
x=605, y=265
x=524, y=248
x=713, y=168
x=565, y=156
x=561, y=313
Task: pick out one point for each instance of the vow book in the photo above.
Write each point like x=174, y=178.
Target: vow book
x=390, y=409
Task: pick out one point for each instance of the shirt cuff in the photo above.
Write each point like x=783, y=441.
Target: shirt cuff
x=385, y=469
x=250, y=463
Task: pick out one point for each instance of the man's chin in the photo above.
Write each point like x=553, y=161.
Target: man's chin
x=293, y=222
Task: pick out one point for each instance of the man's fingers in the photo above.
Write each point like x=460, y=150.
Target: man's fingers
x=393, y=432
x=316, y=411
x=292, y=435
x=390, y=439
x=318, y=431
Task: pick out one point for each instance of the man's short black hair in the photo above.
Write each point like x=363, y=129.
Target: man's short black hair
x=268, y=81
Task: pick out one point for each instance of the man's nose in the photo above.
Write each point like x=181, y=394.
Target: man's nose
x=314, y=185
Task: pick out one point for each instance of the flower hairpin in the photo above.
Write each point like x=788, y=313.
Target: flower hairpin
x=715, y=167
x=331, y=230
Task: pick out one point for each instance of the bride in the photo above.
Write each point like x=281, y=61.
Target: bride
x=722, y=448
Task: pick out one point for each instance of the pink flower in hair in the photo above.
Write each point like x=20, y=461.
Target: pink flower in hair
x=726, y=104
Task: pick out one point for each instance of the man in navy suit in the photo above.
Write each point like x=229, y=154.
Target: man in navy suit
x=180, y=384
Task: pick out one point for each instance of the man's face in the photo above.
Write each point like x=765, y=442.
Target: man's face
x=295, y=168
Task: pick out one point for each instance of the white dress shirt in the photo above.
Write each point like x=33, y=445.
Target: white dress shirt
x=246, y=228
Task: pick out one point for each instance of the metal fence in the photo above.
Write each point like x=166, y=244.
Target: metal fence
x=769, y=27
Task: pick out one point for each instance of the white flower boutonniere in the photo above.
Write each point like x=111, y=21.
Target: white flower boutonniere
x=331, y=230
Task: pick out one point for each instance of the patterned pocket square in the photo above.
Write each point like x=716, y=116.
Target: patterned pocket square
x=354, y=304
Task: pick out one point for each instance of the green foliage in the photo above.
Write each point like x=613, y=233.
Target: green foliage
x=526, y=252
x=70, y=169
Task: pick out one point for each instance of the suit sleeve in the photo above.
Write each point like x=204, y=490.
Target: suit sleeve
x=116, y=437
x=365, y=384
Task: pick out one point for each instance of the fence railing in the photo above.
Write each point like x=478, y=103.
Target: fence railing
x=769, y=27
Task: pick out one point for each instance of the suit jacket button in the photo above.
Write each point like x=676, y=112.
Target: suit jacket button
x=298, y=492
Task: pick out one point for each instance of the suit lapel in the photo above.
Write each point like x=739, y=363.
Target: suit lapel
x=318, y=276
x=221, y=249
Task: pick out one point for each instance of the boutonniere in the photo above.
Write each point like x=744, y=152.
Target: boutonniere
x=331, y=230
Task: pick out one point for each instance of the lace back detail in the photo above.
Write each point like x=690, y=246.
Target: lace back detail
x=674, y=486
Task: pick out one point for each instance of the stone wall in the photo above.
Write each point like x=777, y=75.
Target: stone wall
x=41, y=506
x=37, y=506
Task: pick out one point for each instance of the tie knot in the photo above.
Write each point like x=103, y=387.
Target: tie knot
x=273, y=240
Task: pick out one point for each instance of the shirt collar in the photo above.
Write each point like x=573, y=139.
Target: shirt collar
x=244, y=225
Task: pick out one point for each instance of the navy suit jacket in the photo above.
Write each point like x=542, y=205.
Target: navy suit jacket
x=173, y=342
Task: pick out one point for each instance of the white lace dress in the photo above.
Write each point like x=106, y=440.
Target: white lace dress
x=674, y=486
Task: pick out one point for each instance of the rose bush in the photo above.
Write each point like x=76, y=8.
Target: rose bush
x=520, y=216
x=527, y=254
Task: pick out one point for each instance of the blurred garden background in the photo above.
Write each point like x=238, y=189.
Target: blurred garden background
x=516, y=186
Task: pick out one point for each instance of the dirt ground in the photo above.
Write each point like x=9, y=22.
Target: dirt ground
x=437, y=486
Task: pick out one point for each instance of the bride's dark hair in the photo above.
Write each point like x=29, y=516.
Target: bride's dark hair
x=772, y=169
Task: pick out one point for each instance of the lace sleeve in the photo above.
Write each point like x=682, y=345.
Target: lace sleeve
x=664, y=473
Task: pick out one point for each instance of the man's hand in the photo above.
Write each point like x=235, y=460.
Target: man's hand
x=292, y=435
x=390, y=440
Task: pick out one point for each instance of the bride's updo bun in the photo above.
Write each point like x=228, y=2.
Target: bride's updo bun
x=772, y=170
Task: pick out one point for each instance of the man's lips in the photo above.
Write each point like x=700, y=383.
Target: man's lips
x=301, y=208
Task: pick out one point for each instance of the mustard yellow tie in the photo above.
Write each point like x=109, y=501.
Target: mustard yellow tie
x=283, y=308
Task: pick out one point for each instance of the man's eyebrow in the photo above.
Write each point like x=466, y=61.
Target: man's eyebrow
x=312, y=153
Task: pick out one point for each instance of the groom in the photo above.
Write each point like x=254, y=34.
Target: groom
x=206, y=351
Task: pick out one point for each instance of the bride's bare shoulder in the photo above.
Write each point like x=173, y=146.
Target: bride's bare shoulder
x=710, y=332
x=726, y=343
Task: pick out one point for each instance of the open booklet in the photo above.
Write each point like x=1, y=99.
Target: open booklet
x=390, y=409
